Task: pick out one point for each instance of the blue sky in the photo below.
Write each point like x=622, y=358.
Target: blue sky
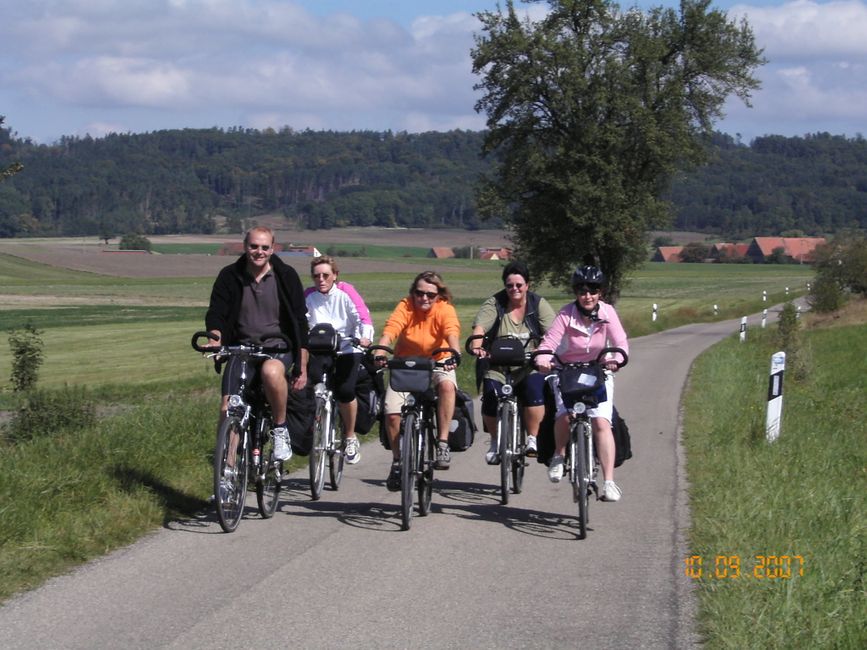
x=76, y=67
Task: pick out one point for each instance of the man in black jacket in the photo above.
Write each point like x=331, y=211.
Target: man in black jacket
x=254, y=299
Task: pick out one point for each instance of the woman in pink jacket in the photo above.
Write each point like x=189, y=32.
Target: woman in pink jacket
x=580, y=331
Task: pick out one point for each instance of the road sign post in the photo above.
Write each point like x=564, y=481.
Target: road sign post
x=775, y=396
x=743, y=329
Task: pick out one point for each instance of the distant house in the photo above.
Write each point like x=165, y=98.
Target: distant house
x=441, y=252
x=724, y=250
x=489, y=255
x=288, y=250
x=796, y=249
x=495, y=253
x=667, y=254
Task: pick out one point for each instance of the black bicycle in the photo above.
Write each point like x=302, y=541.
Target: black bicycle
x=583, y=383
x=509, y=353
x=244, y=440
x=418, y=430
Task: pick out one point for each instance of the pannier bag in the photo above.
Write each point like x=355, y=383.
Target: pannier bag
x=622, y=441
x=462, y=429
x=369, y=393
x=410, y=374
x=580, y=382
x=507, y=351
x=323, y=339
x=300, y=414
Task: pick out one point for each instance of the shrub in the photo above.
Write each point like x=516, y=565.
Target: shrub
x=134, y=242
x=826, y=294
x=789, y=336
x=26, y=346
x=46, y=412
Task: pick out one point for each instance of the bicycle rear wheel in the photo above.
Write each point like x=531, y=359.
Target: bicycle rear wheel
x=269, y=472
x=580, y=475
x=316, y=460
x=426, y=472
x=505, y=436
x=230, y=473
x=518, y=463
x=408, y=455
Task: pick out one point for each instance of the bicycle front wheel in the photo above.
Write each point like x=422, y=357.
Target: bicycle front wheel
x=269, y=472
x=580, y=475
x=230, y=473
x=336, y=456
x=316, y=460
x=518, y=457
x=425, y=460
x=408, y=455
x=505, y=436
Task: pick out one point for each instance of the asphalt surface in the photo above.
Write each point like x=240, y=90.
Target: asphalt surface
x=340, y=573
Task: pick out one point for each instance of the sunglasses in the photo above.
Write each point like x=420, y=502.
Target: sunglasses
x=324, y=276
x=255, y=247
x=586, y=289
x=516, y=285
x=430, y=295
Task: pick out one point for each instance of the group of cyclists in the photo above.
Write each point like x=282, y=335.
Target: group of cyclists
x=260, y=299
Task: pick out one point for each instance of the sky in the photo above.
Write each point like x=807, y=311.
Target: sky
x=79, y=67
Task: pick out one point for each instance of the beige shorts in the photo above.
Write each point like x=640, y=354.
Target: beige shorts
x=394, y=401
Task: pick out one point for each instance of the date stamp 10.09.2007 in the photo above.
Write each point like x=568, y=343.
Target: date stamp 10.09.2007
x=735, y=567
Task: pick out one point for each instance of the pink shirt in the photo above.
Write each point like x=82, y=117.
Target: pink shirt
x=573, y=340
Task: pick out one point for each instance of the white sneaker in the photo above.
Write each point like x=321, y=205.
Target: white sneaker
x=282, y=448
x=610, y=491
x=555, y=469
x=492, y=457
x=532, y=449
x=352, y=452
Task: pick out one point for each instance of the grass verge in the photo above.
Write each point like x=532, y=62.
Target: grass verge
x=780, y=529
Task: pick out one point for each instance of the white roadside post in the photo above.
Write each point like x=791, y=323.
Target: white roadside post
x=743, y=329
x=716, y=310
x=787, y=291
x=655, y=309
x=764, y=296
x=764, y=318
x=775, y=396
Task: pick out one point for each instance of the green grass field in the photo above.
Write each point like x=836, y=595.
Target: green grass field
x=779, y=529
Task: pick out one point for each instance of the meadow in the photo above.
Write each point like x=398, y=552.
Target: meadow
x=70, y=496
x=777, y=543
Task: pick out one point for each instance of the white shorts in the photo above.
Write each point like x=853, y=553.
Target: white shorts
x=604, y=410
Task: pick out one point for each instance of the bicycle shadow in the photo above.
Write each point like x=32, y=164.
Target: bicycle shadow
x=481, y=502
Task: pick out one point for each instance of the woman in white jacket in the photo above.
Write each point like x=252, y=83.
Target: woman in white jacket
x=328, y=303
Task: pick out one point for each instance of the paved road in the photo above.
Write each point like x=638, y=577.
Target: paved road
x=340, y=573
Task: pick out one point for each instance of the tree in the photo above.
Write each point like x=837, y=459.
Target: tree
x=14, y=168
x=590, y=112
x=694, y=251
x=26, y=346
x=134, y=242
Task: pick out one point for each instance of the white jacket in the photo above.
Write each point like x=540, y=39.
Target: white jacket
x=337, y=308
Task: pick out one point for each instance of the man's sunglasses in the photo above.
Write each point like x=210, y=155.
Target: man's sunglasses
x=255, y=247
x=421, y=294
x=586, y=289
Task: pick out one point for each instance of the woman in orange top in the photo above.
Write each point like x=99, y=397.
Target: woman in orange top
x=422, y=322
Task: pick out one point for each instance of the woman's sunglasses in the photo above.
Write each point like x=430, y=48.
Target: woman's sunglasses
x=421, y=294
x=586, y=289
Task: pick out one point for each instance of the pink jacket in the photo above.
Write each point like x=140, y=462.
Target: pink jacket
x=572, y=340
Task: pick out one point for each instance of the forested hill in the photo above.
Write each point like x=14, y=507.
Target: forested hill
x=189, y=180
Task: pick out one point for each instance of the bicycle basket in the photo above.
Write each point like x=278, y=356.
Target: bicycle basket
x=323, y=339
x=507, y=352
x=410, y=374
x=581, y=381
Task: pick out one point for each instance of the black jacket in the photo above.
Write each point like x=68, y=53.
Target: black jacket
x=225, y=305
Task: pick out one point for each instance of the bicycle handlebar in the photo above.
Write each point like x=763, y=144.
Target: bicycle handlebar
x=598, y=361
x=229, y=350
x=454, y=358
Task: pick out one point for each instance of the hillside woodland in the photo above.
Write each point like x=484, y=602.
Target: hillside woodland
x=205, y=180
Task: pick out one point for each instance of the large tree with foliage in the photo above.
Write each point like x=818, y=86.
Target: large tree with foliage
x=590, y=111
x=15, y=167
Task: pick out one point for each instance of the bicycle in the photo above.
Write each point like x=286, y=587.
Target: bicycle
x=510, y=354
x=244, y=440
x=583, y=383
x=328, y=442
x=418, y=430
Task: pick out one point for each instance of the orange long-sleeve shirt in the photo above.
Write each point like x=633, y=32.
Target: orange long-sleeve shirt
x=419, y=333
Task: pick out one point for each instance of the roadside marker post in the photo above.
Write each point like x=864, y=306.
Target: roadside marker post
x=655, y=309
x=716, y=310
x=743, y=329
x=775, y=396
x=764, y=318
x=764, y=296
